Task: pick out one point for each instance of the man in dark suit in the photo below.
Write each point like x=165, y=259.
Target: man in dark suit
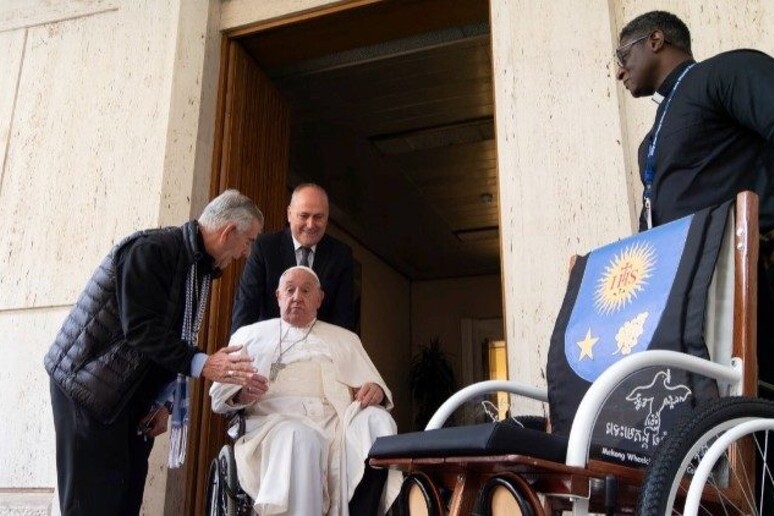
x=304, y=242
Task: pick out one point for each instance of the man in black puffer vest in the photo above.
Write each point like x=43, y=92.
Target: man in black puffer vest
x=123, y=353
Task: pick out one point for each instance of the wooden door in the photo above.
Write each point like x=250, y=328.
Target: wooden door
x=251, y=154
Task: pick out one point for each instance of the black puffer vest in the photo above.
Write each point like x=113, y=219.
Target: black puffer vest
x=90, y=359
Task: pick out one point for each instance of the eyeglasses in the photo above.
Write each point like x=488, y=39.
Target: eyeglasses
x=622, y=52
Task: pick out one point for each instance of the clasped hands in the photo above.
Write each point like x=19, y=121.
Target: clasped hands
x=227, y=365
x=367, y=395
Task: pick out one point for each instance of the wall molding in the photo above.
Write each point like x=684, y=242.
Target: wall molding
x=39, y=12
x=28, y=501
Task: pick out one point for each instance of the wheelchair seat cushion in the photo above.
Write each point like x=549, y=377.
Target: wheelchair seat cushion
x=501, y=438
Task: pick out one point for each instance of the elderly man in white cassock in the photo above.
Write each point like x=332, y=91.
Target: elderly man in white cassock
x=311, y=423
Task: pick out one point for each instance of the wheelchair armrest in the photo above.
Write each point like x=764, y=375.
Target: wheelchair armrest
x=591, y=404
x=477, y=389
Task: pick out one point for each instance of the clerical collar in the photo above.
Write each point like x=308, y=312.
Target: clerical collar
x=305, y=327
x=663, y=91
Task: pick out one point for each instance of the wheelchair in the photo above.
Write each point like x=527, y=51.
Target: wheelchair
x=704, y=438
x=225, y=497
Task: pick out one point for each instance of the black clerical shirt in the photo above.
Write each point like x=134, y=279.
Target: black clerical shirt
x=717, y=137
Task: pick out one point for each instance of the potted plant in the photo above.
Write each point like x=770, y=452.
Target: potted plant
x=432, y=382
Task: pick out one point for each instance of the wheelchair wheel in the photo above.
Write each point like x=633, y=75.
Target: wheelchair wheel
x=222, y=485
x=213, y=487
x=508, y=495
x=741, y=481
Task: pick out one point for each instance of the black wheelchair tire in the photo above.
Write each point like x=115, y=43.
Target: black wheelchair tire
x=227, y=466
x=512, y=487
x=213, y=489
x=223, y=485
x=664, y=473
x=424, y=485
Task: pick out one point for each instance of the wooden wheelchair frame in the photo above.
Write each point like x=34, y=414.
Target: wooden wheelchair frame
x=580, y=484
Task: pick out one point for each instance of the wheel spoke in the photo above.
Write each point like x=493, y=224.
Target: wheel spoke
x=765, y=469
x=748, y=490
x=723, y=498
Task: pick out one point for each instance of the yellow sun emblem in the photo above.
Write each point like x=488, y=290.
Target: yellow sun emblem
x=624, y=277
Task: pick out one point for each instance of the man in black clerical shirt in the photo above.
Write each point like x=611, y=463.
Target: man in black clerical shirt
x=713, y=134
x=716, y=118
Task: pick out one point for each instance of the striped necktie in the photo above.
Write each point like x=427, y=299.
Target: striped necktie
x=305, y=256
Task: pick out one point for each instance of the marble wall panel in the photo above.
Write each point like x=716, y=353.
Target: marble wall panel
x=86, y=151
x=15, y=14
x=85, y=108
x=27, y=431
x=563, y=188
x=190, y=133
x=11, y=52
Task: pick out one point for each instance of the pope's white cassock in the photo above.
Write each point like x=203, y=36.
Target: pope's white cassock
x=306, y=440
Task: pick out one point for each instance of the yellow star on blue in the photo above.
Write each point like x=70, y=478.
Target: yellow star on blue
x=586, y=346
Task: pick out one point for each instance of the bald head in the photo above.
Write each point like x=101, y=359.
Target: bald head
x=308, y=214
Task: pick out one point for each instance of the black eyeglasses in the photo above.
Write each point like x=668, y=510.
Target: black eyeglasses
x=622, y=52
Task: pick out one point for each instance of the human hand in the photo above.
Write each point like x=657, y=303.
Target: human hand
x=369, y=394
x=228, y=366
x=155, y=421
x=253, y=390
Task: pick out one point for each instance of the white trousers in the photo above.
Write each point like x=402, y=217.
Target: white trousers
x=299, y=457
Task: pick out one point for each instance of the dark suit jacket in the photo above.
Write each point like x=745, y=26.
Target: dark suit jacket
x=271, y=255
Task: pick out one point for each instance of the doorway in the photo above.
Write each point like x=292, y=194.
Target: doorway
x=388, y=106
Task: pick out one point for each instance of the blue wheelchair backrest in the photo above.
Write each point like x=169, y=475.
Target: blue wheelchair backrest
x=648, y=291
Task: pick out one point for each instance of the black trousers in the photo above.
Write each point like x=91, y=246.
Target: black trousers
x=368, y=492
x=101, y=468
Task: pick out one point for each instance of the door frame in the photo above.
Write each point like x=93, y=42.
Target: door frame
x=207, y=431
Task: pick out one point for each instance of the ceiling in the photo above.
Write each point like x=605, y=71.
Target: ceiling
x=397, y=125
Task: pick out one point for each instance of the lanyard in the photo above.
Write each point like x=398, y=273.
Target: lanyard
x=650, y=162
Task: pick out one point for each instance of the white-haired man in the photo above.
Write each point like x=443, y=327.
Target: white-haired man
x=127, y=347
x=308, y=435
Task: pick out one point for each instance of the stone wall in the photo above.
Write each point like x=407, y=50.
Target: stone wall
x=100, y=135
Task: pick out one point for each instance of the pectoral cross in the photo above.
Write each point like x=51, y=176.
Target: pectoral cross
x=278, y=366
x=275, y=369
